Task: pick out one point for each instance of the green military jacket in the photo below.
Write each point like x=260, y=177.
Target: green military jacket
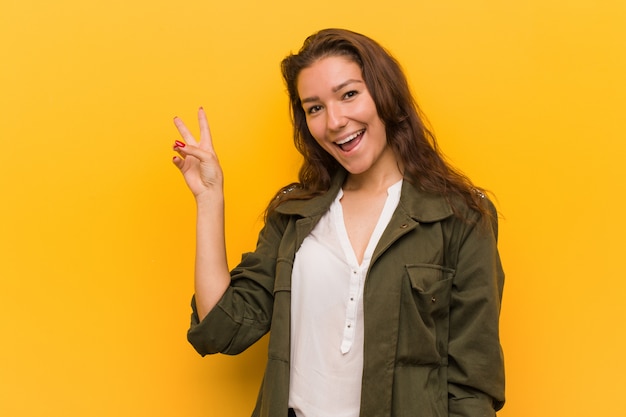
x=431, y=310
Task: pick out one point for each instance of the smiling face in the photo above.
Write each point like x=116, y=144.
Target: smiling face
x=342, y=117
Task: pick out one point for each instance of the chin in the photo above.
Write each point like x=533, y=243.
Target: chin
x=355, y=170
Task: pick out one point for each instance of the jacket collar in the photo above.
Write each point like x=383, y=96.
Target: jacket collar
x=422, y=206
x=419, y=205
x=317, y=205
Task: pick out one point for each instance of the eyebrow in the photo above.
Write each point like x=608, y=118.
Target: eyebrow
x=334, y=89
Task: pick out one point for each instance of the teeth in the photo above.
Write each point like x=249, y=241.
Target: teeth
x=349, y=138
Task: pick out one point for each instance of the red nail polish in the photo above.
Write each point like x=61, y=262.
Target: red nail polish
x=179, y=144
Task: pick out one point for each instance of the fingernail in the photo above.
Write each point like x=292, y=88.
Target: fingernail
x=179, y=144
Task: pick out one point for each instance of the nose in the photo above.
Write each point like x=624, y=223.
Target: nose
x=335, y=118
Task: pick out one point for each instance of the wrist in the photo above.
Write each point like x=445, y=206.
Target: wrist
x=210, y=198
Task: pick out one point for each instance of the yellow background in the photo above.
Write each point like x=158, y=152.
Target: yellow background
x=96, y=225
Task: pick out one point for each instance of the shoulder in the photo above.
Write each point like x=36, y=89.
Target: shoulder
x=295, y=199
x=481, y=218
x=460, y=213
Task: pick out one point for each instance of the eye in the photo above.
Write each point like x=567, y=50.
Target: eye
x=313, y=109
x=350, y=94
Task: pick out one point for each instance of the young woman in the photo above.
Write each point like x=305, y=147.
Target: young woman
x=377, y=274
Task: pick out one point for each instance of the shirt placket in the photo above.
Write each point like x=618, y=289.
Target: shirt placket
x=356, y=277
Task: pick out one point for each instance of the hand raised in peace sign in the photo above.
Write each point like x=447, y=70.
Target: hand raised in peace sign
x=197, y=159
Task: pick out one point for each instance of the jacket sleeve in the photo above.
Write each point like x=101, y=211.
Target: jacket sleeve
x=243, y=315
x=475, y=360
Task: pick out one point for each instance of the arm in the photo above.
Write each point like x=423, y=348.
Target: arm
x=244, y=313
x=476, y=366
x=199, y=165
x=231, y=310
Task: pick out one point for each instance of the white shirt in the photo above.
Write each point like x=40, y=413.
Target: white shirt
x=327, y=315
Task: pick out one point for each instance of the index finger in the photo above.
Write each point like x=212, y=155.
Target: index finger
x=184, y=131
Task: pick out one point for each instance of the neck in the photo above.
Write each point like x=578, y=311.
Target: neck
x=373, y=182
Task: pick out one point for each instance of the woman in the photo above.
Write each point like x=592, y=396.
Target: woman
x=377, y=274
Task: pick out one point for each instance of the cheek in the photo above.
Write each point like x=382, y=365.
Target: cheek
x=311, y=128
x=315, y=130
x=321, y=143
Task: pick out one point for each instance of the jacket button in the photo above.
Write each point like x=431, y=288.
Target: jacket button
x=404, y=226
x=434, y=299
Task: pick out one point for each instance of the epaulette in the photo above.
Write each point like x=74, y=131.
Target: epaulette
x=287, y=190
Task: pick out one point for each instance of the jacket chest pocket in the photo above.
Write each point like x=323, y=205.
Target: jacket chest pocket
x=431, y=286
x=425, y=315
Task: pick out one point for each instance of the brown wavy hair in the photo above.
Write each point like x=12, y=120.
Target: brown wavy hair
x=412, y=142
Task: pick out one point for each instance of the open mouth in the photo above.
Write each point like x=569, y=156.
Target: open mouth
x=351, y=141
